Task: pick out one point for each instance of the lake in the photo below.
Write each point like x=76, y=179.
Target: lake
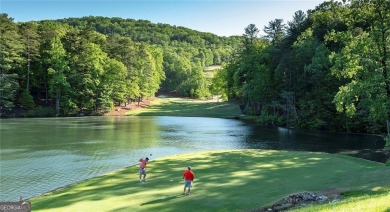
x=39, y=155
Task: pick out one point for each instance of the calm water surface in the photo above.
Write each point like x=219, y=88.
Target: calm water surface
x=39, y=155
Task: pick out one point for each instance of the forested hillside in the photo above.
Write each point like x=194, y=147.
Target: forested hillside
x=86, y=65
x=326, y=69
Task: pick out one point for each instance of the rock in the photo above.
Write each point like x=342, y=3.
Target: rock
x=322, y=198
x=299, y=199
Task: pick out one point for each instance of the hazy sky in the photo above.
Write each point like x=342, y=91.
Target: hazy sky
x=221, y=17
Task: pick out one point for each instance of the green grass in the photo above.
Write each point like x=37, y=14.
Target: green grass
x=211, y=71
x=377, y=199
x=225, y=181
x=189, y=108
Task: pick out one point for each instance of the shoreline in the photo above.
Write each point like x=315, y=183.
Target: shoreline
x=113, y=172
x=121, y=169
x=147, y=104
x=78, y=182
x=183, y=154
x=121, y=110
x=113, y=188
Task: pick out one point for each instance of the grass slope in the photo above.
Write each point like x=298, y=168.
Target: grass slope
x=377, y=199
x=189, y=108
x=225, y=181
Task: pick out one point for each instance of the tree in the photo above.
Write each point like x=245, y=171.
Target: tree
x=363, y=61
x=219, y=86
x=29, y=32
x=249, y=76
x=296, y=26
x=58, y=84
x=11, y=50
x=124, y=50
x=250, y=35
x=328, y=16
x=314, y=86
x=113, y=83
x=149, y=65
x=26, y=100
x=48, y=31
x=275, y=31
x=86, y=62
x=196, y=82
x=87, y=77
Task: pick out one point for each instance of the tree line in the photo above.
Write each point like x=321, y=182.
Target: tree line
x=86, y=65
x=327, y=69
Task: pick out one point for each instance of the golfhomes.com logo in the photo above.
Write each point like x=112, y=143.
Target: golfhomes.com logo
x=22, y=206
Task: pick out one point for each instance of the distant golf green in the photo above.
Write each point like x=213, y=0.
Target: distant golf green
x=189, y=107
x=225, y=181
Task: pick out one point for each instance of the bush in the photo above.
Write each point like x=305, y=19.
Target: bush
x=387, y=139
x=269, y=119
x=387, y=163
x=40, y=112
x=26, y=100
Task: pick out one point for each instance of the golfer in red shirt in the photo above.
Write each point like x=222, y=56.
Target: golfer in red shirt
x=188, y=177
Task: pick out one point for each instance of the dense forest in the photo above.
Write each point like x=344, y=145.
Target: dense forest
x=326, y=69
x=87, y=65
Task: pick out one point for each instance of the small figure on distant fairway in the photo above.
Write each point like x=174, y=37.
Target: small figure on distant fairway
x=188, y=177
x=142, y=169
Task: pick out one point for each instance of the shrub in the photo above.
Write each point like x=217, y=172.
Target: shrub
x=26, y=100
x=40, y=112
x=387, y=139
x=387, y=163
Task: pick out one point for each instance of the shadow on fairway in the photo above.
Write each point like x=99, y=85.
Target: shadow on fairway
x=224, y=180
x=166, y=199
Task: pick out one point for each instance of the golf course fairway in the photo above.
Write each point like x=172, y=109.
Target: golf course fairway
x=228, y=180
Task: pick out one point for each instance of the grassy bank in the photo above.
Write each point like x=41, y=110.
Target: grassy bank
x=377, y=199
x=225, y=181
x=189, y=108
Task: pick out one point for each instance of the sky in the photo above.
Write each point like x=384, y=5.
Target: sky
x=220, y=17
